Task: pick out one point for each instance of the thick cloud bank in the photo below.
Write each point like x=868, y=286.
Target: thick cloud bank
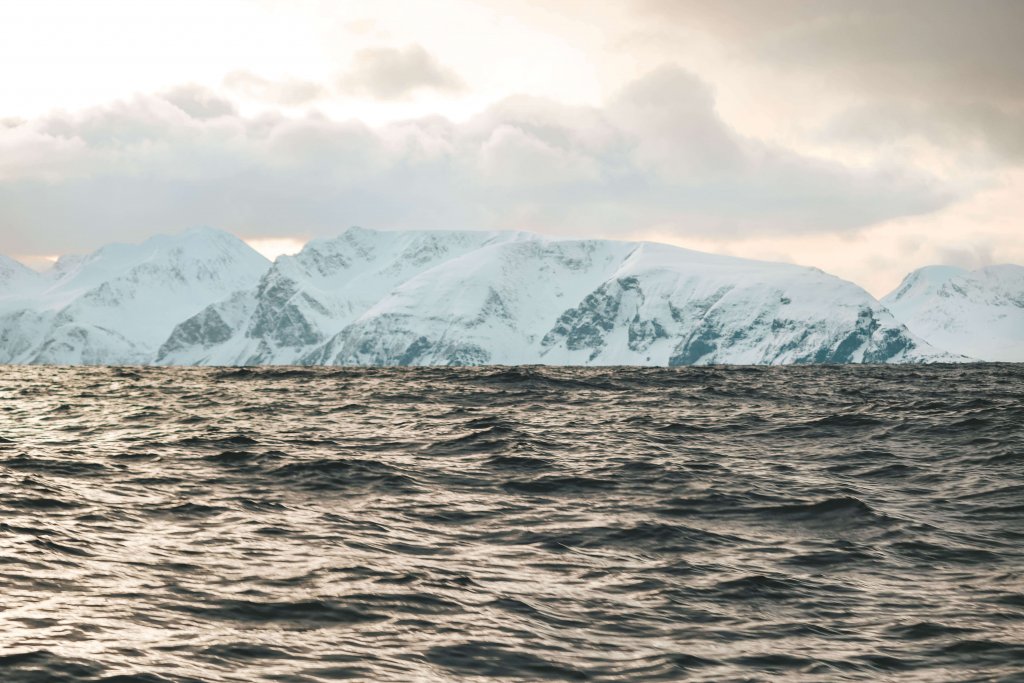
x=655, y=156
x=951, y=71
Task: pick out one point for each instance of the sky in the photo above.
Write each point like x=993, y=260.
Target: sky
x=863, y=137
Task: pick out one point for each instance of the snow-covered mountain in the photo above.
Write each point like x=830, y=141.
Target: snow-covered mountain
x=305, y=299
x=432, y=297
x=976, y=313
x=17, y=279
x=423, y=298
x=117, y=305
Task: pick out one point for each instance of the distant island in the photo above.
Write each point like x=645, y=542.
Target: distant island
x=473, y=298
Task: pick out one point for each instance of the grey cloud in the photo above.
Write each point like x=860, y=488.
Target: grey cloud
x=971, y=258
x=971, y=48
x=973, y=127
x=681, y=133
x=945, y=56
x=199, y=102
x=390, y=73
x=657, y=156
x=120, y=124
x=287, y=92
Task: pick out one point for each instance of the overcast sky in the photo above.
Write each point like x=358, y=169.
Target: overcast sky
x=863, y=137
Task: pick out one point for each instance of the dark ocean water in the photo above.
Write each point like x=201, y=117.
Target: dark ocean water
x=807, y=523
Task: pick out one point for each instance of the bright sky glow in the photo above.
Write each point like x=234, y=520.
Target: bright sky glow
x=272, y=247
x=204, y=109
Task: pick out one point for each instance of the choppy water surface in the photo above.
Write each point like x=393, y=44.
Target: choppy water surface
x=435, y=524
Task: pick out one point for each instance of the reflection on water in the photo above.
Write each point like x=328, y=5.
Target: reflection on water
x=568, y=524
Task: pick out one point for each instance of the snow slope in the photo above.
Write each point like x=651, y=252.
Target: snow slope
x=117, y=305
x=974, y=313
x=444, y=297
x=17, y=280
x=305, y=299
x=590, y=302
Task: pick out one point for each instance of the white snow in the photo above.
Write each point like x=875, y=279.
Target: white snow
x=119, y=304
x=305, y=299
x=442, y=297
x=976, y=313
x=635, y=303
x=17, y=281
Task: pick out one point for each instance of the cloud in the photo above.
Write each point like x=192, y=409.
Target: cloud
x=656, y=156
x=511, y=157
x=970, y=257
x=387, y=73
x=940, y=67
x=287, y=92
x=974, y=128
x=970, y=49
x=199, y=102
x=681, y=133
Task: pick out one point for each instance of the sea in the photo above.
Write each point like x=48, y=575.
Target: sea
x=512, y=523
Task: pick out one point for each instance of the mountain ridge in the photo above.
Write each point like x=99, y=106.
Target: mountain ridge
x=979, y=313
x=368, y=297
x=117, y=304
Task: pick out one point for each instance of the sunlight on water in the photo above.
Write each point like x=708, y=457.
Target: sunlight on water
x=566, y=524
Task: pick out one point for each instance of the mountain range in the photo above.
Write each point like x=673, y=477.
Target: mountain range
x=468, y=298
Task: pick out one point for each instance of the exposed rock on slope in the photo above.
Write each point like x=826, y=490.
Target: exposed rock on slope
x=305, y=299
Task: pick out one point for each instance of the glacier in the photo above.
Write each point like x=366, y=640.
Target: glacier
x=370, y=297
x=977, y=313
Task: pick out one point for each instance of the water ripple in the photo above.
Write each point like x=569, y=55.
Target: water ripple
x=310, y=525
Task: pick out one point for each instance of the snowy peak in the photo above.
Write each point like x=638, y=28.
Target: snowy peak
x=195, y=256
x=976, y=313
x=455, y=298
x=17, y=279
x=118, y=304
x=306, y=298
x=594, y=302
